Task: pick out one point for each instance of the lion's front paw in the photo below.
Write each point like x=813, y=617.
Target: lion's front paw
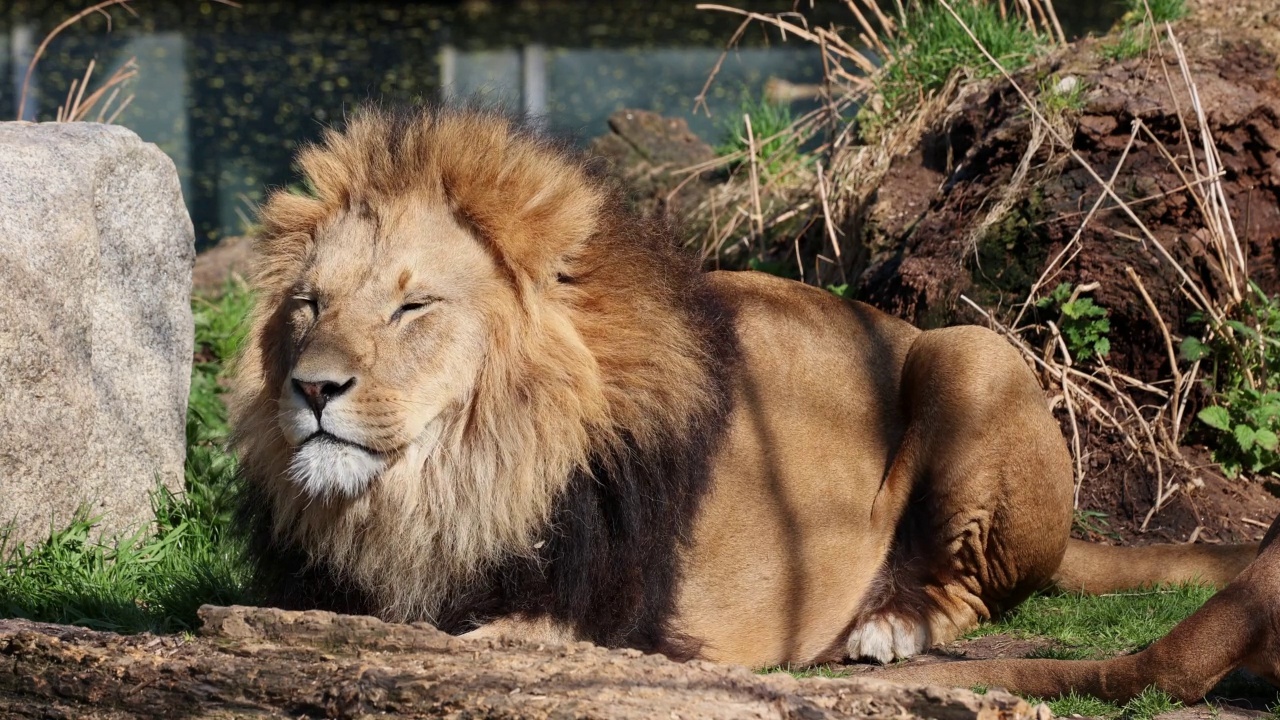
x=885, y=637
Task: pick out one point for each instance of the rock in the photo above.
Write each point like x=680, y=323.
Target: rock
x=96, y=331
x=650, y=152
x=227, y=260
x=261, y=662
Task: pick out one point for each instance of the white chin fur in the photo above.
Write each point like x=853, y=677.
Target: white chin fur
x=324, y=468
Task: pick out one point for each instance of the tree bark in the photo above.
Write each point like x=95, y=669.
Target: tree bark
x=260, y=662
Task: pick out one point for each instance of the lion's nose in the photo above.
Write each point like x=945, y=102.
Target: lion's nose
x=318, y=393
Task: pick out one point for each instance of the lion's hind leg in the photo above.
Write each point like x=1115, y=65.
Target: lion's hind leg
x=983, y=479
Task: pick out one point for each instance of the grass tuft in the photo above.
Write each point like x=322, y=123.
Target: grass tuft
x=1061, y=97
x=1150, y=703
x=1161, y=11
x=801, y=672
x=932, y=46
x=777, y=146
x=1082, y=705
x=1134, y=34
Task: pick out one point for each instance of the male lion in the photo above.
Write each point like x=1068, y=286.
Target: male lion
x=478, y=391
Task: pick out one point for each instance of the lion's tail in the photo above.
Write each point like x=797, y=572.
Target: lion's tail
x=1096, y=569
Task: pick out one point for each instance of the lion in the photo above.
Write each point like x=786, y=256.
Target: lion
x=479, y=391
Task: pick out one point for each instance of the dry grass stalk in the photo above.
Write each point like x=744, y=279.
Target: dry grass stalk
x=81, y=107
x=757, y=217
x=852, y=170
x=828, y=224
x=100, y=8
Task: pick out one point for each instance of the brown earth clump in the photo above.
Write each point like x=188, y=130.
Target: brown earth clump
x=932, y=236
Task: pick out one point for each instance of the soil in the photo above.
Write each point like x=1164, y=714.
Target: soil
x=221, y=263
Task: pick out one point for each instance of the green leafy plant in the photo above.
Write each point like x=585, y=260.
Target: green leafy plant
x=841, y=291
x=777, y=148
x=1084, y=325
x=1060, y=97
x=773, y=267
x=1094, y=522
x=1243, y=357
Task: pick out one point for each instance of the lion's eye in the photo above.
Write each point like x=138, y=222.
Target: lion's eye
x=309, y=302
x=409, y=307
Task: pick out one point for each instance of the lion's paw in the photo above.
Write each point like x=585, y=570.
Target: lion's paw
x=885, y=637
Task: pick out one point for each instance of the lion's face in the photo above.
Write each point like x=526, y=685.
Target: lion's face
x=388, y=329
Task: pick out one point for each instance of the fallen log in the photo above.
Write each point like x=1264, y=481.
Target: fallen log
x=261, y=662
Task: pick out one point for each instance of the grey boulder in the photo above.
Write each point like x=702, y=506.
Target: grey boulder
x=96, y=332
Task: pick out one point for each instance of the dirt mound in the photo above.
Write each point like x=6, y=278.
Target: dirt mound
x=986, y=199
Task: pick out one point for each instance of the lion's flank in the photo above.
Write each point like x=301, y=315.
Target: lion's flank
x=574, y=476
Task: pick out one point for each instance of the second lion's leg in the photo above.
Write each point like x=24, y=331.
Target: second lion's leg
x=987, y=483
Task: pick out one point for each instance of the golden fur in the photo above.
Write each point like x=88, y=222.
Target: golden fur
x=570, y=363
x=478, y=391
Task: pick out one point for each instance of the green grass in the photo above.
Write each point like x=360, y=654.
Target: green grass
x=801, y=672
x=932, y=46
x=1128, y=43
x=1133, y=35
x=153, y=579
x=1161, y=11
x=1087, y=627
x=1091, y=627
x=1060, y=97
x=1149, y=704
x=1083, y=705
x=775, y=155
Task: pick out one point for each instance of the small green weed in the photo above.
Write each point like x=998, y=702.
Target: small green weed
x=841, y=291
x=1128, y=43
x=932, y=45
x=1093, y=522
x=1161, y=11
x=156, y=578
x=1061, y=97
x=1134, y=34
x=1243, y=420
x=777, y=148
x=1083, y=324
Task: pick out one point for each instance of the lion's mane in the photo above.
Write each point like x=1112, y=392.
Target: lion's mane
x=587, y=447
